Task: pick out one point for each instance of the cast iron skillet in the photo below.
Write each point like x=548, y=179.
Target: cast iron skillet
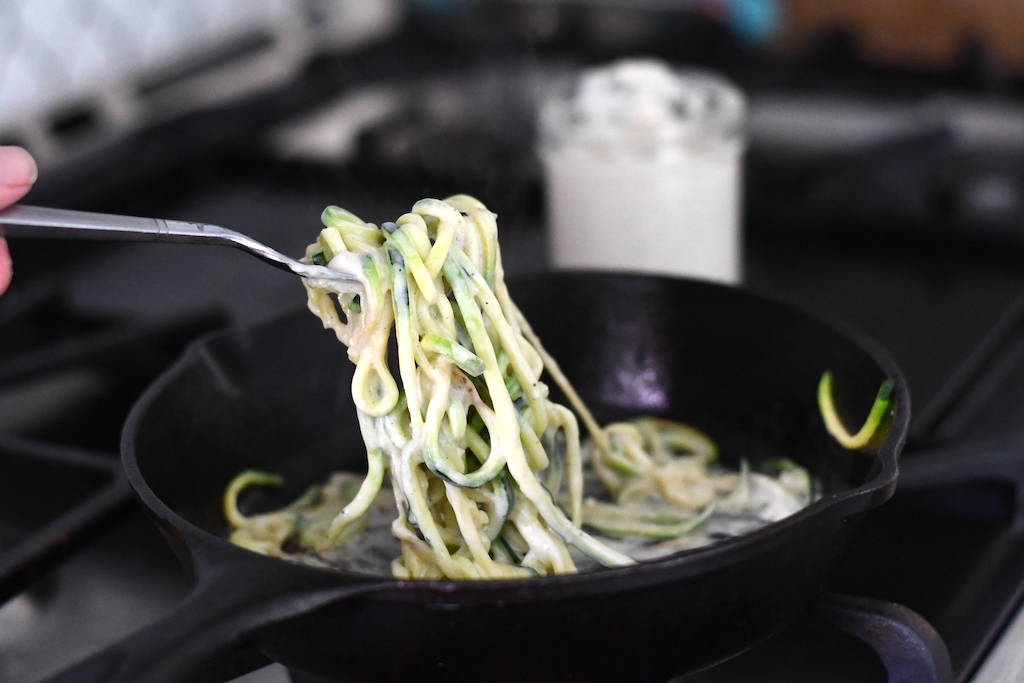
x=276, y=398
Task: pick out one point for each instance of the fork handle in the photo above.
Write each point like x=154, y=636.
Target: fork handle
x=36, y=221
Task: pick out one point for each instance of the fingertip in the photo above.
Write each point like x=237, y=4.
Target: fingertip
x=17, y=168
x=6, y=267
x=9, y=195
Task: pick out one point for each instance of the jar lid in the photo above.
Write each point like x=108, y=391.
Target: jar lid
x=644, y=107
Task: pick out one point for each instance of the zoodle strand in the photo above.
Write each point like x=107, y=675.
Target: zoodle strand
x=486, y=472
x=471, y=429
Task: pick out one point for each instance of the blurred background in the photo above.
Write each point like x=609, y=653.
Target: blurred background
x=865, y=116
x=870, y=124
x=882, y=185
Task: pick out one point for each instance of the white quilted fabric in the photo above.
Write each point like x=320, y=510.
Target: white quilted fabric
x=54, y=51
x=96, y=57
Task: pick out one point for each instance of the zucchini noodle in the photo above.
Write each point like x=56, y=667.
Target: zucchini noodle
x=486, y=473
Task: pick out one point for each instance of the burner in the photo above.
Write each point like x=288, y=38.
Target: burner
x=66, y=381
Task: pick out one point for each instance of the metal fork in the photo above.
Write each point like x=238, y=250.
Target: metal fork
x=39, y=222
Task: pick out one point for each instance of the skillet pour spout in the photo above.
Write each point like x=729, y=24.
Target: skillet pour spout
x=740, y=367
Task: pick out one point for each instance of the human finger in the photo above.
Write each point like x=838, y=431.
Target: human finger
x=6, y=270
x=17, y=174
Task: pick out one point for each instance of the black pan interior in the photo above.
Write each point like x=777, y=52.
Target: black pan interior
x=740, y=367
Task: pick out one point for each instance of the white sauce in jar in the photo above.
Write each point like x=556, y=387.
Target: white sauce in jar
x=642, y=168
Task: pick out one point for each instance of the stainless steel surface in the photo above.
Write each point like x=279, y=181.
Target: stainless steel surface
x=41, y=222
x=275, y=673
x=1006, y=661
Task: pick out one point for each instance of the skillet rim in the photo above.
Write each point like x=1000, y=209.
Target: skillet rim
x=833, y=506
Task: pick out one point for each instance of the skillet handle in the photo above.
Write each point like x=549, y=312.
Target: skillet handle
x=909, y=647
x=222, y=612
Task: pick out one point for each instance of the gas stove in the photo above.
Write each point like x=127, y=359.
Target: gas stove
x=939, y=569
